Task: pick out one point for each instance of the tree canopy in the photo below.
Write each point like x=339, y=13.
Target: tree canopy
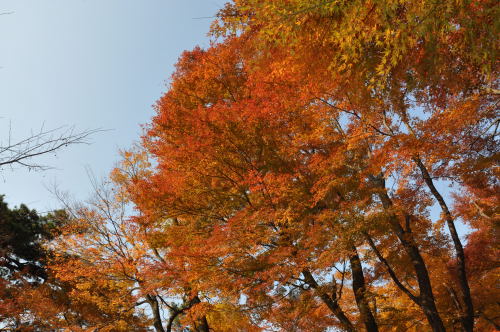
x=309, y=171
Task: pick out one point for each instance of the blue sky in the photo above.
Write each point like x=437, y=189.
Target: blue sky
x=91, y=64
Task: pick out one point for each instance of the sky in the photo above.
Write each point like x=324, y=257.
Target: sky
x=89, y=64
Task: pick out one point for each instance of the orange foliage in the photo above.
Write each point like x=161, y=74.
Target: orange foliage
x=291, y=177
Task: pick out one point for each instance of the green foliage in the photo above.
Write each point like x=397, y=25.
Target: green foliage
x=22, y=231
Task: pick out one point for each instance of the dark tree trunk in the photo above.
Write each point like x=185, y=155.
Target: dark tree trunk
x=467, y=318
x=359, y=289
x=331, y=303
x=202, y=325
x=175, y=313
x=155, y=309
x=172, y=318
x=427, y=301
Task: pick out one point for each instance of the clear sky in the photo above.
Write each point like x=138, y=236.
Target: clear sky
x=92, y=64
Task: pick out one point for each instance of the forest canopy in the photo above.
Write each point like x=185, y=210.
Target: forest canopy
x=322, y=166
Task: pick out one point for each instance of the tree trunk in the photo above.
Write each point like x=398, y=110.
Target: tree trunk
x=359, y=289
x=155, y=309
x=331, y=303
x=427, y=301
x=202, y=325
x=175, y=313
x=467, y=318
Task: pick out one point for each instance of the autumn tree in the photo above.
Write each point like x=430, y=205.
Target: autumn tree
x=108, y=271
x=409, y=57
x=240, y=187
x=314, y=117
x=291, y=177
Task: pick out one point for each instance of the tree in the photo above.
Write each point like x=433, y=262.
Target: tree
x=405, y=55
x=22, y=230
x=278, y=130
x=115, y=274
x=289, y=178
x=239, y=185
x=22, y=258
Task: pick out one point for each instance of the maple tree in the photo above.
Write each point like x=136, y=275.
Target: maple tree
x=107, y=271
x=243, y=123
x=407, y=55
x=307, y=172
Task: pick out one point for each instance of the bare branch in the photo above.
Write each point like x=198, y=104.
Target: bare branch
x=40, y=143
